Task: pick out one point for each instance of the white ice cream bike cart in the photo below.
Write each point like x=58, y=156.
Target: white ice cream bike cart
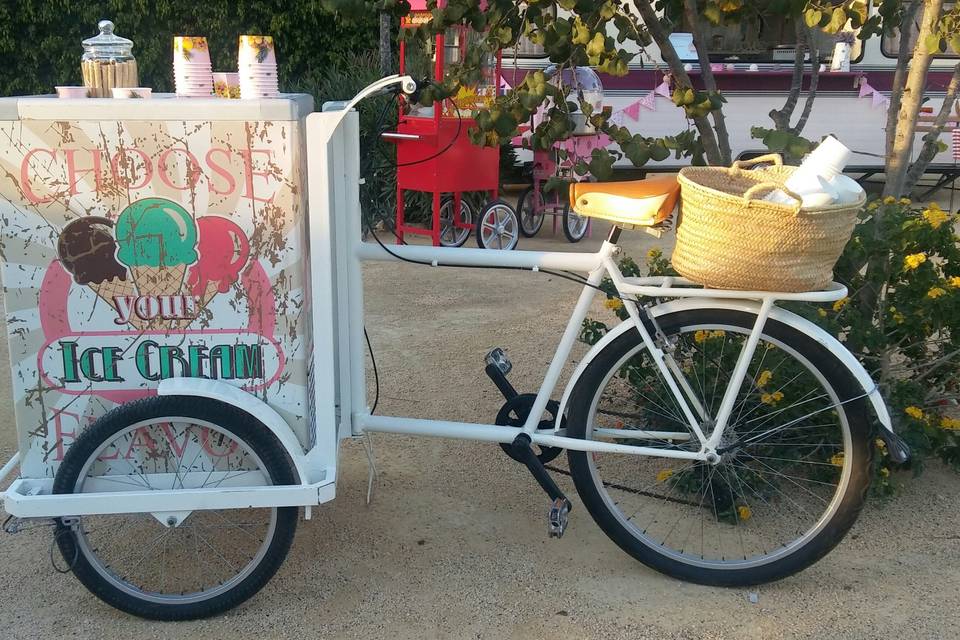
x=192, y=443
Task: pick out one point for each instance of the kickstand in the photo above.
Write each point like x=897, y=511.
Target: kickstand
x=371, y=466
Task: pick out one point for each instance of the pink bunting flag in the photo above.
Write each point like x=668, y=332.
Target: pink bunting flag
x=866, y=89
x=633, y=111
x=649, y=101
x=504, y=85
x=880, y=100
x=663, y=89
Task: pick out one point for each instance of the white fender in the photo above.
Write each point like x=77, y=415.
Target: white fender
x=234, y=396
x=780, y=315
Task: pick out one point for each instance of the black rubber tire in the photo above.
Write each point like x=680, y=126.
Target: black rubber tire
x=566, y=226
x=837, y=376
x=532, y=231
x=247, y=428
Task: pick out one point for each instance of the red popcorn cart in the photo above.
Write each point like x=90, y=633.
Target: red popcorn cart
x=434, y=153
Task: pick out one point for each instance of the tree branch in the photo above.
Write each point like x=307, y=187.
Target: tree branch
x=781, y=119
x=814, y=83
x=709, y=82
x=652, y=21
x=929, y=149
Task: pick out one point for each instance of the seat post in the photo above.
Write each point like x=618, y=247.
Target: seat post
x=614, y=236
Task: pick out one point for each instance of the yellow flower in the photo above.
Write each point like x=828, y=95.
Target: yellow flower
x=822, y=313
x=880, y=445
x=936, y=292
x=950, y=424
x=889, y=200
x=614, y=303
x=664, y=475
x=906, y=201
x=914, y=412
x=914, y=260
x=744, y=512
x=935, y=216
x=897, y=316
x=873, y=206
x=654, y=254
x=837, y=460
x=840, y=304
x=764, y=378
x=718, y=334
x=884, y=472
x=771, y=398
x=701, y=336
x=954, y=282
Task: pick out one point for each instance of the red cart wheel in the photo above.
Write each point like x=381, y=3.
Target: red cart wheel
x=498, y=227
x=530, y=208
x=453, y=233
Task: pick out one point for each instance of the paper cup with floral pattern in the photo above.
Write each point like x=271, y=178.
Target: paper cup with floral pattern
x=191, y=49
x=257, y=50
x=226, y=85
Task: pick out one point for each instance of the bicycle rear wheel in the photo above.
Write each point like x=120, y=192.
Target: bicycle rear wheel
x=795, y=461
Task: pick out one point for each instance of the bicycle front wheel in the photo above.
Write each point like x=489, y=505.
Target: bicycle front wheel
x=795, y=457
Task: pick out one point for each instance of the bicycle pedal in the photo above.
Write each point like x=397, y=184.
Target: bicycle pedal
x=558, y=517
x=498, y=358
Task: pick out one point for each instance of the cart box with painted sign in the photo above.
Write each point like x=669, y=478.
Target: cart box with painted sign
x=145, y=240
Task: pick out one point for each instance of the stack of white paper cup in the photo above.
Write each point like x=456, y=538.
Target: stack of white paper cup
x=192, y=70
x=258, y=68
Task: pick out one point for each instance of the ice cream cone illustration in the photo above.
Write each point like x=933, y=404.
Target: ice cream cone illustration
x=224, y=252
x=87, y=251
x=157, y=240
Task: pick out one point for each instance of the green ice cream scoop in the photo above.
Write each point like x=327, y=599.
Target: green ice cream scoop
x=155, y=232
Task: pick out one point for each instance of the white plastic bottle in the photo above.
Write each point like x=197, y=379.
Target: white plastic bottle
x=824, y=163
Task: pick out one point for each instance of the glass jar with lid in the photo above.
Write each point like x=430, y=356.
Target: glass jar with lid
x=107, y=62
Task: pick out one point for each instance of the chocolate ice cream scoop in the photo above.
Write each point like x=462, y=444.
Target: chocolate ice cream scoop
x=88, y=251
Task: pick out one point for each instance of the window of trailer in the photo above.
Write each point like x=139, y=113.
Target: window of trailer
x=890, y=44
x=759, y=36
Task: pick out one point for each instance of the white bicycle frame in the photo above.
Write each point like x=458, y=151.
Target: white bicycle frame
x=337, y=252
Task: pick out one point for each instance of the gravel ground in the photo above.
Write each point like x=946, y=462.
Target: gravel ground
x=454, y=544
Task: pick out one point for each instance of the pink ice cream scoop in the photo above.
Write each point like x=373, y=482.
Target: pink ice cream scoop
x=224, y=251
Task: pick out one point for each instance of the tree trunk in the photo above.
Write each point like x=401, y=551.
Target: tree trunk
x=386, y=44
x=900, y=75
x=709, y=82
x=707, y=136
x=930, y=140
x=898, y=160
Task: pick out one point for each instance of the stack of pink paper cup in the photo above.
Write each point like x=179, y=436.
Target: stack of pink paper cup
x=192, y=70
x=258, y=68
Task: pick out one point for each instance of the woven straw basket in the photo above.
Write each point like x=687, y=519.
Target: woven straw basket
x=729, y=237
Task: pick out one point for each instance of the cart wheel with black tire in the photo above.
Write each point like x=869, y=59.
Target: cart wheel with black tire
x=176, y=565
x=454, y=231
x=498, y=227
x=574, y=226
x=530, y=209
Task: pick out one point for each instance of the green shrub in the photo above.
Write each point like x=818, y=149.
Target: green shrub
x=40, y=39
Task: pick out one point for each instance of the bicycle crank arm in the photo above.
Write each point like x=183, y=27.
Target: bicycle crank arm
x=560, y=506
x=498, y=366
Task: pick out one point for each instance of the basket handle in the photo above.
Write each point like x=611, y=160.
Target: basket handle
x=775, y=158
x=767, y=187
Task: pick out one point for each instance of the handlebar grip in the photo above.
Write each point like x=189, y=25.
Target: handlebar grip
x=392, y=135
